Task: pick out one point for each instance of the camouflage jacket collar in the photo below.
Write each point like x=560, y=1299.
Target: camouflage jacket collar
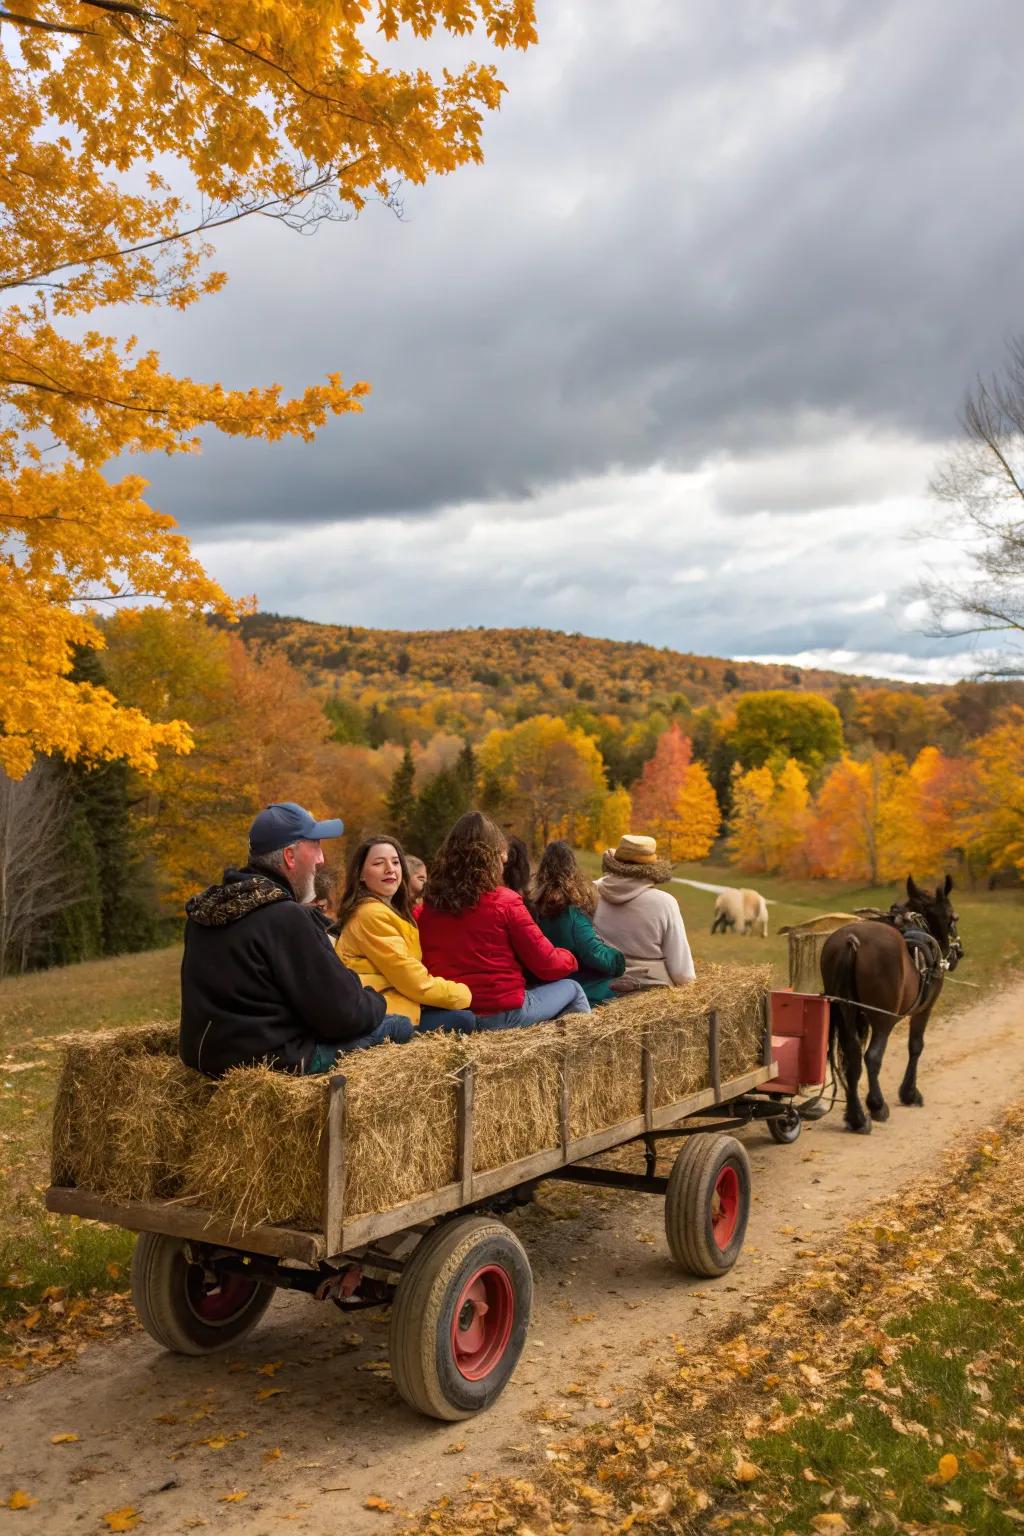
x=242, y=891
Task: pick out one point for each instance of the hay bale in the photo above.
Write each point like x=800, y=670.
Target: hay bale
x=125, y=1113
x=517, y=1091
x=255, y=1157
x=401, y=1122
x=258, y=1156
x=603, y=1060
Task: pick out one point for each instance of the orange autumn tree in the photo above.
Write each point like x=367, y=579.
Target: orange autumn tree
x=697, y=818
x=919, y=826
x=752, y=794
x=787, y=821
x=849, y=838
x=548, y=775
x=260, y=734
x=657, y=791
x=612, y=820
x=771, y=819
x=262, y=107
x=994, y=822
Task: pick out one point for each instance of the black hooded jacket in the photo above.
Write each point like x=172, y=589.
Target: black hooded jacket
x=260, y=980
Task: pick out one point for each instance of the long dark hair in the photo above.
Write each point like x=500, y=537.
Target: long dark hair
x=516, y=874
x=355, y=891
x=468, y=863
x=561, y=883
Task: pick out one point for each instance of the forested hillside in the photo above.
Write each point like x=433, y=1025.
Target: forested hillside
x=403, y=681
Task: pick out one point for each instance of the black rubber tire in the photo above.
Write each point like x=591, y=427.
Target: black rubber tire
x=690, y=1199
x=423, y=1363
x=160, y=1290
x=785, y=1129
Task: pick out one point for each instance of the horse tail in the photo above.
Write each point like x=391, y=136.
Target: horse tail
x=845, y=985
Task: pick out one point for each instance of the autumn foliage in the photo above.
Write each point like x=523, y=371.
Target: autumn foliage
x=277, y=109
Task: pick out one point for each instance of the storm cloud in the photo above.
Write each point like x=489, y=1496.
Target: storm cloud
x=763, y=247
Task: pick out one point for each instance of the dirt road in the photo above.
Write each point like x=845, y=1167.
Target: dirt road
x=303, y=1420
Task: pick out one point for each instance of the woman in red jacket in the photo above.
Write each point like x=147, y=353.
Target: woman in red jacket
x=474, y=930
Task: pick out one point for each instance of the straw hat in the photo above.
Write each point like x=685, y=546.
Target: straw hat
x=637, y=858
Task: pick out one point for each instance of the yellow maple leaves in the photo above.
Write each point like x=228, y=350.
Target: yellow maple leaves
x=269, y=106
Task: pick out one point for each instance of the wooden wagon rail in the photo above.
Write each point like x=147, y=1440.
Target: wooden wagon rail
x=339, y=1235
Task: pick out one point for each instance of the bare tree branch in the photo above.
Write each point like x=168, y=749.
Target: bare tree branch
x=982, y=484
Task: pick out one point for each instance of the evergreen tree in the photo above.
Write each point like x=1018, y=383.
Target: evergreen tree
x=437, y=808
x=76, y=932
x=401, y=801
x=116, y=910
x=466, y=770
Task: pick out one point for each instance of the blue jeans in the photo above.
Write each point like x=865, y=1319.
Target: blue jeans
x=540, y=1003
x=460, y=1021
x=393, y=1026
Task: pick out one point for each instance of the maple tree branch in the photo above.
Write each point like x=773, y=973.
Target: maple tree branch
x=47, y=26
x=125, y=8
x=295, y=196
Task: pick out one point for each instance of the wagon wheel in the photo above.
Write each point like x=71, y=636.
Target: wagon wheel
x=785, y=1128
x=185, y=1309
x=460, y=1316
x=707, y=1203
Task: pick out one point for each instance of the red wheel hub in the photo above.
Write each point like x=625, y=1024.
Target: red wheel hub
x=218, y=1303
x=482, y=1323
x=725, y=1206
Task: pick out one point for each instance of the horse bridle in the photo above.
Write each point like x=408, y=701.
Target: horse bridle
x=903, y=916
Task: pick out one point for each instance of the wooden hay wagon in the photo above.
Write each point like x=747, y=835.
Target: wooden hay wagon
x=457, y=1279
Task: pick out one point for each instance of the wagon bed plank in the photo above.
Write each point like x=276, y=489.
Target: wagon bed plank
x=186, y=1221
x=373, y=1225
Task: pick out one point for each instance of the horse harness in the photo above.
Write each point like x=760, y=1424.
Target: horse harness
x=925, y=951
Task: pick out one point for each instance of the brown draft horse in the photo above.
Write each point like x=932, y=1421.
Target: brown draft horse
x=870, y=963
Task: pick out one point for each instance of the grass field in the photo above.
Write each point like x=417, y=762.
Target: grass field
x=991, y=923
x=40, y=1251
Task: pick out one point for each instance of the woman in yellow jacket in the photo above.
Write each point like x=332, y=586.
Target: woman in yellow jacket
x=380, y=941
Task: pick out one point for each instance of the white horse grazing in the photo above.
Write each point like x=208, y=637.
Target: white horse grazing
x=744, y=911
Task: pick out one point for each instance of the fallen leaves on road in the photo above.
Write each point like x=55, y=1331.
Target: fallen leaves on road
x=375, y=1503
x=125, y=1519
x=695, y=1450
x=63, y=1439
x=19, y=1499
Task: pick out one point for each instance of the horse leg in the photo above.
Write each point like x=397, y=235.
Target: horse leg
x=880, y=1032
x=909, y=1091
x=849, y=1041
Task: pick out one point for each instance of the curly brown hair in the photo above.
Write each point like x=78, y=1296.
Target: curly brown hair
x=516, y=874
x=560, y=883
x=355, y=891
x=469, y=862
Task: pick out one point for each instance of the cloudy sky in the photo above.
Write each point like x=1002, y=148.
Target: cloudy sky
x=675, y=364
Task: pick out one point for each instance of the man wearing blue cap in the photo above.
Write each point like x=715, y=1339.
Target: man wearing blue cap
x=260, y=979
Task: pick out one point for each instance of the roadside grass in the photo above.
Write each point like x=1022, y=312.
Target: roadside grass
x=41, y=1253
x=959, y=1389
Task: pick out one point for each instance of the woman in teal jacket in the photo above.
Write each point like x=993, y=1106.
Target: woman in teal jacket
x=565, y=900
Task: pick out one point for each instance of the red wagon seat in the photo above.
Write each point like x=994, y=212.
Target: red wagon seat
x=799, y=1040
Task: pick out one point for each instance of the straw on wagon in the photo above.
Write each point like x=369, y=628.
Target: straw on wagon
x=126, y=1111
x=133, y=1123
x=257, y=1159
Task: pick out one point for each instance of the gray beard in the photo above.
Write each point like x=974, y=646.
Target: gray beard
x=304, y=894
